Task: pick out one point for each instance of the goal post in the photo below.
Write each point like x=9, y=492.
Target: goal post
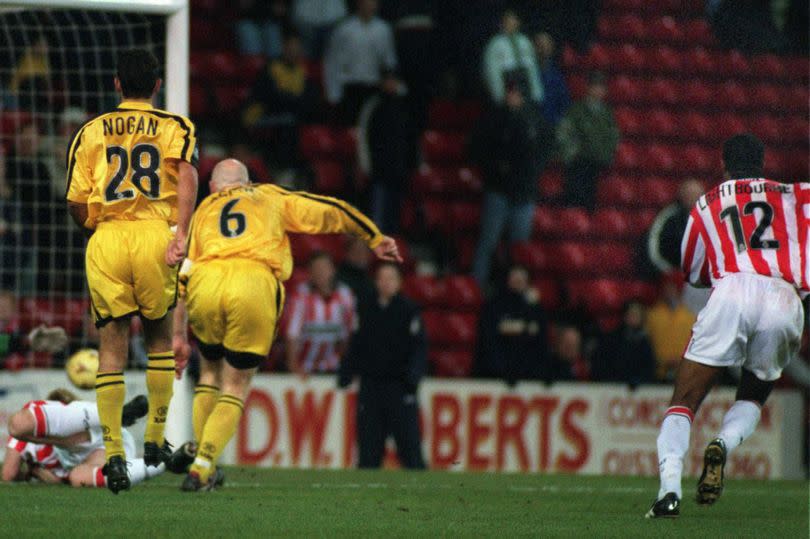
x=83, y=35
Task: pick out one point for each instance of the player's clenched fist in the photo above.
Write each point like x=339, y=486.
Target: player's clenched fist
x=176, y=251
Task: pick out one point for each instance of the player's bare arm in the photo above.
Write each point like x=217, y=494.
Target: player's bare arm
x=78, y=212
x=180, y=346
x=186, y=197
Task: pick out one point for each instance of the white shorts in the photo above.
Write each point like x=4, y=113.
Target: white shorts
x=57, y=419
x=750, y=321
x=70, y=457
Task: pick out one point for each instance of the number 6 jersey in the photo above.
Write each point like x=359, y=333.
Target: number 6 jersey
x=754, y=226
x=123, y=164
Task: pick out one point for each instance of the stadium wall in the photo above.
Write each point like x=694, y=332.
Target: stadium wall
x=483, y=425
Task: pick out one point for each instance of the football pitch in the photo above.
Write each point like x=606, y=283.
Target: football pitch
x=297, y=503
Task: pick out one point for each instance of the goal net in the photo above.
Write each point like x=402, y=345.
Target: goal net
x=56, y=71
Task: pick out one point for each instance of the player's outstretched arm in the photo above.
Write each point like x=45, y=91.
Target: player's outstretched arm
x=13, y=466
x=314, y=214
x=186, y=197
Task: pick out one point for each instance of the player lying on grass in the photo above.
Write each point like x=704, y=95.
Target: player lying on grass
x=77, y=457
x=238, y=258
x=747, y=239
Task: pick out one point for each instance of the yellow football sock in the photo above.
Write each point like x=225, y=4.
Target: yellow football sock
x=218, y=431
x=110, y=394
x=205, y=398
x=160, y=386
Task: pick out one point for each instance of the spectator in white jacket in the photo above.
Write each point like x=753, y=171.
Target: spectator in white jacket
x=359, y=59
x=510, y=61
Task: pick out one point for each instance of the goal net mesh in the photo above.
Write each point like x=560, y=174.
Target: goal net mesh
x=56, y=71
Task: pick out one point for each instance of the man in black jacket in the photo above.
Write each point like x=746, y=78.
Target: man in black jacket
x=663, y=241
x=389, y=353
x=512, y=332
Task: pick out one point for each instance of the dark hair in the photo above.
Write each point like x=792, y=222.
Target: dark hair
x=317, y=255
x=138, y=71
x=744, y=156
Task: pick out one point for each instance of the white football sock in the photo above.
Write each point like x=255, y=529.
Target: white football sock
x=140, y=472
x=673, y=443
x=739, y=423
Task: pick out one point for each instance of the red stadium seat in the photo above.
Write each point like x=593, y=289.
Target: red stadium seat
x=770, y=67
x=700, y=61
x=766, y=95
x=727, y=125
x=573, y=222
x=698, y=33
x=797, y=69
x=303, y=245
x=696, y=126
x=659, y=159
x=250, y=66
x=610, y=223
x=197, y=101
x=662, y=91
x=443, y=147
x=643, y=220
x=462, y=293
x=628, y=156
x=733, y=64
x=630, y=122
x=465, y=253
x=622, y=28
x=795, y=130
x=771, y=130
x=732, y=95
x=534, y=256
x=425, y=290
x=569, y=257
x=697, y=93
x=658, y=191
x=450, y=328
x=445, y=114
x=346, y=143
x=205, y=166
x=795, y=98
x=577, y=85
x=609, y=257
x=433, y=214
x=229, y=99
x=666, y=30
x=624, y=90
x=661, y=123
x=544, y=223
x=597, y=295
x=599, y=57
x=551, y=184
x=258, y=169
x=699, y=160
x=451, y=363
x=548, y=292
x=627, y=58
x=463, y=216
x=428, y=180
x=316, y=141
x=664, y=60
x=223, y=66
x=618, y=191
x=465, y=180
x=330, y=177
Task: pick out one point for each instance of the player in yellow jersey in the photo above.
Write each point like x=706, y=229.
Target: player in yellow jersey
x=238, y=258
x=131, y=177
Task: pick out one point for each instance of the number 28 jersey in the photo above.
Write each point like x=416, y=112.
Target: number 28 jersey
x=748, y=226
x=252, y=221
x=123, y=164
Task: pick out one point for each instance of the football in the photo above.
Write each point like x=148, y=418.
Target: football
x=81, y=368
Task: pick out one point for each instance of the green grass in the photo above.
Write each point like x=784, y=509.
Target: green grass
x=293, y=503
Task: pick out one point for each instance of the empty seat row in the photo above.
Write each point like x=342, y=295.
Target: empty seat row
x=324, y=142
x=446, y=180
x=695, y=61
x=655, y=123
x=655, y=29
x=455, y=292
x=63, y=312
x=451, y=328
x=604, y=223
x=567, y=258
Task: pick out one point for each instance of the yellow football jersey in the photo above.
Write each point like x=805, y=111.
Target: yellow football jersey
x=122, y=164
x=252, y=222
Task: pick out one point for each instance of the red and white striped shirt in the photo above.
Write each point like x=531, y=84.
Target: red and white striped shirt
x=40, y=454
x=321, y=324
x=748, y=226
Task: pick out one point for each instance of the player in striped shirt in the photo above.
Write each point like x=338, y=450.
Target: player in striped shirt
x=322, y=316
x=747, y=240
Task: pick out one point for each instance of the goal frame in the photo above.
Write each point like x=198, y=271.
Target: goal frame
x=176, y=70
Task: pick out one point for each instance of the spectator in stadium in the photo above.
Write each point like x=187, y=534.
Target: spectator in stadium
x=30, y=78
x=626, y=354
x=509, y=147
x=32, y=208
x=510, y=61
x=52, y=148
x=11, y=342
x=388, y=352
x=747, y=25
x=566, y=362
x=588, y=137
x=669, y=325
x=261, y=25
x=315, y=19
x=360, y=58
x=557, y=98
x=662, y=243
x=321, y=317
x=283, y=97
x=512, y=332
x=354, y=270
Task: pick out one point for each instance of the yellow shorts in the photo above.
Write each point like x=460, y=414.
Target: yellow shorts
x=126, y=270
x=234, y=304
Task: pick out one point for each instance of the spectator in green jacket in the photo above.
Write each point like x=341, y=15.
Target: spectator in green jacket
x=510, y=61
x=588, y=137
